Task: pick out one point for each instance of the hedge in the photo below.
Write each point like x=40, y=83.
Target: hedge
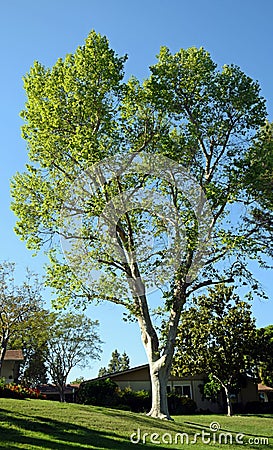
x=19, y=392
x=107, y=393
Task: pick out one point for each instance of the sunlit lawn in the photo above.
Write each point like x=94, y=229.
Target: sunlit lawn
x=38, y=424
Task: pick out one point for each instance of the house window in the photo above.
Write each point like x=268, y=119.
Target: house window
x=184, y=390
x=178, y=390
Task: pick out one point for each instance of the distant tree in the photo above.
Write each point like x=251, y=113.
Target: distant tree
x=124, y=362
x=114, y=363
x=32, y=336
x=78, y=380
x=265, y=343
x=217, y=336
x=35, y=372
x=102, y=372
x=73, y=341
x=117, y=363
x=19, y=305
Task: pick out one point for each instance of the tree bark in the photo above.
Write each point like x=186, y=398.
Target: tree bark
x=61, y=392
x=3, y=350
x=159, y=365
x=159, y=374
x=159, y=369
x=228, y=400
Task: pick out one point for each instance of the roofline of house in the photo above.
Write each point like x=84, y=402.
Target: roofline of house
x=263, y=387
x=14, y=355
x=115, y=374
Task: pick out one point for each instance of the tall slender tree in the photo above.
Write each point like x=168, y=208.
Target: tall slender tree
x=188, y=121
x=117, y=363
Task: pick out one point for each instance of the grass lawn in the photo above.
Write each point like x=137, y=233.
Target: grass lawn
x=38, y=424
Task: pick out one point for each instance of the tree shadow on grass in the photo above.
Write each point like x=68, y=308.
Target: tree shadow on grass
x=141, y=419
x=58, y=435
x=262, y=416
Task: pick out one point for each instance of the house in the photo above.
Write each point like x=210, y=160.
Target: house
x=265, y=393
x=138, y=378
x=51, y=391
x=11, y=365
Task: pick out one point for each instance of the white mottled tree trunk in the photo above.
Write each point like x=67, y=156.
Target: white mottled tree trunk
x=160, y=363
x=3, y=350
x=229, y=404
x=159, y=379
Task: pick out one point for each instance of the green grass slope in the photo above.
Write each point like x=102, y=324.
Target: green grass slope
x=37, y=424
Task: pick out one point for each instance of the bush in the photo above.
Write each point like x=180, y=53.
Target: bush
x=107, y=393
x=19, y=392
x=136, y=401
x=259, y=408
x=98, y=393
x=180, y=405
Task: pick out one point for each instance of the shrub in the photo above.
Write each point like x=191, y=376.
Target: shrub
x=107, y=393
x=259, y=408
x=98, y=393
x=180, y=405
x=136, y=401
x=19, y=392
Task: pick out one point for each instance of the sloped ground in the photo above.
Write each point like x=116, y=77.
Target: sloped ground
x=38, y=424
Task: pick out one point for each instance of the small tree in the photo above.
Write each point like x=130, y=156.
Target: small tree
x=217, y=336
x=117, y=363
x=32, y=336
x=73, y=341
x=19, y=305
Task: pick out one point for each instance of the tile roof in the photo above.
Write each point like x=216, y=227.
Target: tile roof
x=14, y=355
x=262, y=387
x=52, y=388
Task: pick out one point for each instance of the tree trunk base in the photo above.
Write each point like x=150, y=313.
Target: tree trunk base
x=159, y=415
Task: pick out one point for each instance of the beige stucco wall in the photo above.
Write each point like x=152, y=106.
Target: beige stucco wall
x=7, y=371
x=134, y=385
x=138, y=375
x=194, y=383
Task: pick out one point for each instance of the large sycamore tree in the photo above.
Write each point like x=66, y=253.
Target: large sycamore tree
x=202, y=119
x=259, y=166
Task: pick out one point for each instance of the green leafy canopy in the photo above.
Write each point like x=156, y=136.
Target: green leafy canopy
x=81, y=111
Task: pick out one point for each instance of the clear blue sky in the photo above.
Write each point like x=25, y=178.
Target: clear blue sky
x=238, y=32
